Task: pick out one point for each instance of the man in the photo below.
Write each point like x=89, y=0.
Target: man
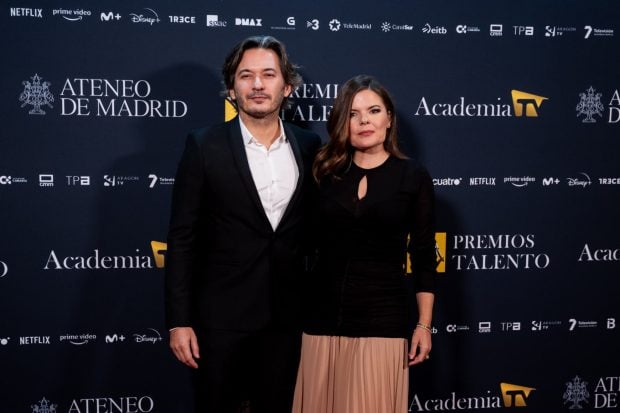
x=237, y=227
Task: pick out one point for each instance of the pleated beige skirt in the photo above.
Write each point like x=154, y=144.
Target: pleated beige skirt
x=352, y=375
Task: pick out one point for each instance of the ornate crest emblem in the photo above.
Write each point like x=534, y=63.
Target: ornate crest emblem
x=589, y=105
x=36, y=94
x=44, y=406
x=576, y=393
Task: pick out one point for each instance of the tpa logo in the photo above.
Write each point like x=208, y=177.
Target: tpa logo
x=37, y=94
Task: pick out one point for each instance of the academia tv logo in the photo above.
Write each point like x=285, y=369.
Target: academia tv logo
x=159, y=253
x=515, y=395
x=440, y=253
x=524, y=104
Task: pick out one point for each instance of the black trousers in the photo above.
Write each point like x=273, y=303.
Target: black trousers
x=238, y=366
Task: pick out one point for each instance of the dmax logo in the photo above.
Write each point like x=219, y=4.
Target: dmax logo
x=514, y=395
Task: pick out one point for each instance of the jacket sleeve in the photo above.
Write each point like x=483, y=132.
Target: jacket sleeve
x=181, y=255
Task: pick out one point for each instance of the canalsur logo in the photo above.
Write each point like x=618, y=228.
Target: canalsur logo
x=44, y=406
x=36, y=94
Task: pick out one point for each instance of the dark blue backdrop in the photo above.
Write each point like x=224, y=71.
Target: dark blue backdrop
x=527, y=199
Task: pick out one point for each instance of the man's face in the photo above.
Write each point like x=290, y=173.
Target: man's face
x=259, y=87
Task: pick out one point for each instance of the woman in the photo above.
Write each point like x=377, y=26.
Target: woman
x=355, y=352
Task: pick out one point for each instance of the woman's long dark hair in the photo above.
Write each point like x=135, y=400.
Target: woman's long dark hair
x=336, y=155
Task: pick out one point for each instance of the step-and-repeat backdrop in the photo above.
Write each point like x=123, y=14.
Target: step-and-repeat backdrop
x=514, y=106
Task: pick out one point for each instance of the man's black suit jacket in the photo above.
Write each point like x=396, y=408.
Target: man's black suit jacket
x=226, y=268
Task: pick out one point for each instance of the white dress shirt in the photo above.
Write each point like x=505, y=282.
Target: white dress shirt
x=274, y=171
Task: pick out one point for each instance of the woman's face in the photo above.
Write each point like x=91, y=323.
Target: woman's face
x=369, y=122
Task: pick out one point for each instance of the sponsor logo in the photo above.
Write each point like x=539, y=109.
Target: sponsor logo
x=388, y=27
x=496, y=30
x=100, y=97
x=453, y=328
x=77, y=339
x=599, y=255
x=36, y=94
x=511, y=395
x=519, y=181
x=71, y=15
x=312, y=102
x=582, y=181
x=589, y=105
x=523, y=103
x=554, y=31
x=484, y=327
x=153, y=337
x=130, y=404
x=109, y=16
x=247, y=21
x=447, y=181
x=182, y=19
x=592, y=31
x=214, y=21
x=550, y=181
x=114, y=338
x=609, y=181
x=96, y=261
x=290, y=24
x=10, y=180
x=573, y=323
x=46, y=180
x=44, y=406
x=482, y=181
x=149, y=18
x=114, y=180
x=77, y=180
x=336, y=25
x=25, y=12
x=464, y=29
x=611, y=324
x=523, y=30
x=428, y=29
x=576, y=393
x=4, y=341
x=511, y=326
x=497, y=252
x=526, y=103
x=159, y=253
x=28, y=340
x=313, y=24
x=538, y=325
x=514, y=395
x=158, y=180
x=4, y=269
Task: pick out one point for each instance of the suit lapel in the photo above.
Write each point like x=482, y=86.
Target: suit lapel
x=243, y=166
x=300, y=167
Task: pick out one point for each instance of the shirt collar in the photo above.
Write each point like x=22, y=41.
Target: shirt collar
x=248, y=138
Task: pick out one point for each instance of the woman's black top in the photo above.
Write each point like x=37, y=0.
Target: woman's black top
x=358, y=286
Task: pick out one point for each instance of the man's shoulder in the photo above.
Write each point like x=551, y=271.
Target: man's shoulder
x=210, y=134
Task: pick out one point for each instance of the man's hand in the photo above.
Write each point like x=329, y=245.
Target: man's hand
x=184, y=345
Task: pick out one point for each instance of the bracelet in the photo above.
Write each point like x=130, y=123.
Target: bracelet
x=425, y=327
